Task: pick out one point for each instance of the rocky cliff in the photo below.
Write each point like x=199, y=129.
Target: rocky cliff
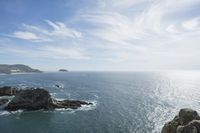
x=187, y=121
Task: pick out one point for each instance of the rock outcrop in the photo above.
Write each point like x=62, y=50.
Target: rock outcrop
x=8, y=91
x=36, y=99
x=191, y=127
x=187, y=121
x=30, y=99
x=73, y=104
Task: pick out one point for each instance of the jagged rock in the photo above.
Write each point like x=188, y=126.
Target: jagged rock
x=73, y=104
x=35, y=99
x=186, y=115
x=192, y=127
x=7, y=91
x=184, y=122
x=31, y=99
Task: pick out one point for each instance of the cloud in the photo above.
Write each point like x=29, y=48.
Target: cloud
x=130, y=33
x=140, y=35
x=112, y=27
x=26, y=35
x=172, y=29
x=55, y=41
x=193, y=24
x=40, y=34
x=60, y=29
x=119, y=5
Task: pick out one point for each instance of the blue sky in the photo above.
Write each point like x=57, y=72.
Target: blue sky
x=101, y=34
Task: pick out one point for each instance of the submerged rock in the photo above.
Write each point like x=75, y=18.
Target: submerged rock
x=187, y=121
x=36, y=99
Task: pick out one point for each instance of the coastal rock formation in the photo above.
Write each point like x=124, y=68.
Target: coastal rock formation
x=36, y=99
x=192, y=127
x=187, y=121
x=73, y=104
x=7, y=91
x=31, y=99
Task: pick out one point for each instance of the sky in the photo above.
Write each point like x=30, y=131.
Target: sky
x=101, y=35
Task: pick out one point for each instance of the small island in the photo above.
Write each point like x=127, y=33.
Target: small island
x=17, y=68
x=63, y=70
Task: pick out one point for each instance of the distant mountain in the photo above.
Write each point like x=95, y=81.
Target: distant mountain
x=18, y=68
x=63, y=70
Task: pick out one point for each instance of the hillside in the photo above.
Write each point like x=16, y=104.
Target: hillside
x=18, y=68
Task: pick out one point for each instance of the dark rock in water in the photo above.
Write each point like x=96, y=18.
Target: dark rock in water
x=73, y=104
x=31, y=99
x=3, y=101
x=58, y=86
x=36, y=99
x=7, y=91
x=187, y=121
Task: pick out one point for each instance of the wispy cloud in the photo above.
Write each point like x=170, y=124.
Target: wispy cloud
x=26, y=35
x=60, y=29
x=133, y=33
x=40, y=34
x=55, y=41
x=138, y=36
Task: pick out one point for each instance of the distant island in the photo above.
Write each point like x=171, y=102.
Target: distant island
x=63, y=70
x=17, y=68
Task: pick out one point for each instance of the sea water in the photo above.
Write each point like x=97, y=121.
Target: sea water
x=123, y=102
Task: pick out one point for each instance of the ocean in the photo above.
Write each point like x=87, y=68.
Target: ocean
x=123, y=102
